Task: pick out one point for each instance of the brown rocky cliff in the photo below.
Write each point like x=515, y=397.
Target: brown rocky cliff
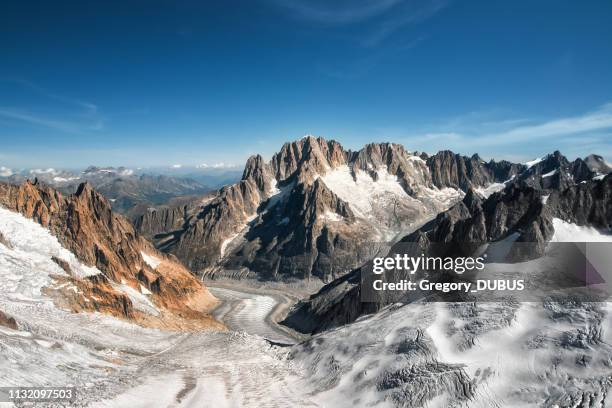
x=85, y=224
x=161, y=220
x=199, y=244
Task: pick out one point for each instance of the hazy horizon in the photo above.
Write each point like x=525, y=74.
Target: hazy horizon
x=169, y=167
x=178, y=168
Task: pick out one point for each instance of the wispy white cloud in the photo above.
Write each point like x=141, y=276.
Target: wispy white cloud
x=354, y=69
x=11, y=113
x=410, y=14
x=61, y=113
x=577, y=135
x=89, y=107
x=219, y=165
x=328, y=12
x=592, y=121
x=381, y=18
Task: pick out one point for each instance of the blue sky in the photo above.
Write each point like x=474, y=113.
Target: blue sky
x=143, y=83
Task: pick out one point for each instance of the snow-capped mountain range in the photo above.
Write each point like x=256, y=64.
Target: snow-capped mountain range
x=318, y=210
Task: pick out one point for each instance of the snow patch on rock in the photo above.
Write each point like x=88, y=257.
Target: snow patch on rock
x=532, y=163
x=331, y=216
x=363, y=192
x=139, y=300
x=493, y=188
x=150, y=260
x=490, y=189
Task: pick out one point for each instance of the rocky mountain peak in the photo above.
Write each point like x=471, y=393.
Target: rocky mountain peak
x=453, y=170
x=374, y=155
x=87, y=194
x=597, y=164
x=554, y=171
x=306, y=158
x=557, y=158
x=257, y=169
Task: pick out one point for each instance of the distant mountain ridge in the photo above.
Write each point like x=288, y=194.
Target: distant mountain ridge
x=130, y=192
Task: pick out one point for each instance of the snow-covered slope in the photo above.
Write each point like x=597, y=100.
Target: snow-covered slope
x=26, y=264
x=30, y=259
x=568, y=232
x=48, y=337
x=114, y=362
x=464, y=354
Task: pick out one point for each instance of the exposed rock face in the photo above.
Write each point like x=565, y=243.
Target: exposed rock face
x=337, y=303
x=567, y=189
x=552, y=172
x=226, y=215
x=473, y=220
x=5, y=241
x=162, y=220
x=85, y=225
x=588, y=203
x=257, y=171
x=452, y=170
x=7, y=321
x=597, y=164
x=293, y=240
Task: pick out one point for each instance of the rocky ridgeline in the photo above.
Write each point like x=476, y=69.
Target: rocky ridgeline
x=288, y=222
x=85, y=224
x=453, y=170
x=286, y=219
